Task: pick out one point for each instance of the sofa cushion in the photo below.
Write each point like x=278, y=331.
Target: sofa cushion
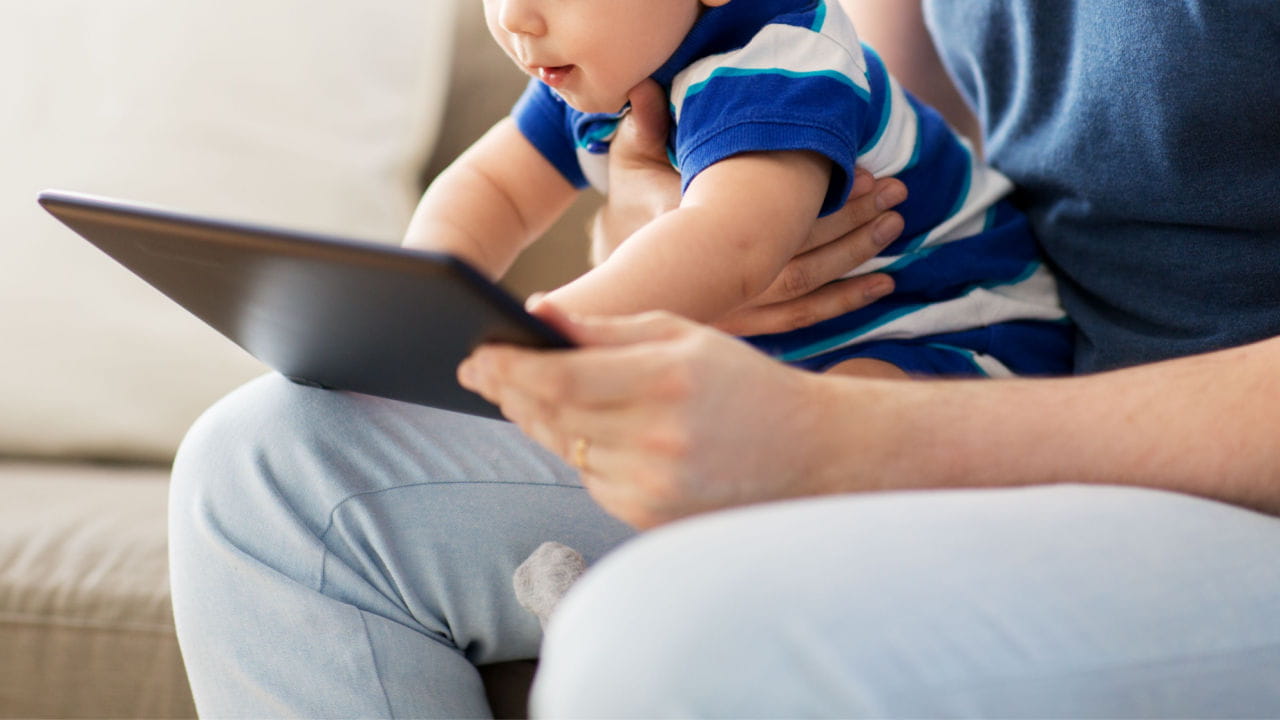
x=85, y=619
x=86, y=623
x=317, y=115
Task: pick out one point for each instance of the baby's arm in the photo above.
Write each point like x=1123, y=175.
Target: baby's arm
x=494, y=200
x=738, y=224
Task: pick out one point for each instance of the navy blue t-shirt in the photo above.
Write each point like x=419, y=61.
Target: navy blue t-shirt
x=1145, y=138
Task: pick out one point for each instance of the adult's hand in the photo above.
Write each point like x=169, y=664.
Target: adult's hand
x=663, y=417
x=680, y=419
x=810, y=289
x=643, y=185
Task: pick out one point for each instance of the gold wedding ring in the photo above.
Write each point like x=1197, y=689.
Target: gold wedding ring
x=578, y=457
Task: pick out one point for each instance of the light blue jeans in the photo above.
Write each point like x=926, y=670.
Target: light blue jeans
x=336, y=555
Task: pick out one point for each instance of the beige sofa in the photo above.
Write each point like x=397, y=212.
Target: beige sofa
x=326, y=115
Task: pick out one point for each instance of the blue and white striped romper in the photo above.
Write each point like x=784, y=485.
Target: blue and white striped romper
x=972, y=295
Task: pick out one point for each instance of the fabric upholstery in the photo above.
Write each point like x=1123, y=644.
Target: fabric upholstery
x=86, y=628
x=317, y=115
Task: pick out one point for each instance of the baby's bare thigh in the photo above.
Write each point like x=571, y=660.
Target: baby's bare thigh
x=870, y=368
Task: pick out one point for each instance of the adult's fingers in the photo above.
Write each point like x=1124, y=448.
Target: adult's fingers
x=642, y=134
x=608, y=331
x=815, y=269
x=615, y=361
x=866, y=203
x=631, y=447
x=594, y=376
x=610, y=442
x=829, y=258
x=630, y=502
x=642, y=183
x=831, y=300
x=587, y=438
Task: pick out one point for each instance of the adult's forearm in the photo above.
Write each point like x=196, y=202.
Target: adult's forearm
x=1206, y=425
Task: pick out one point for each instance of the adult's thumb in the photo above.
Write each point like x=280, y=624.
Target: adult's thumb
x=610, y=331
x=642, y=135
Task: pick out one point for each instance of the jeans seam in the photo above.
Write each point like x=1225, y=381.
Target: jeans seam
x=324, y=555
x=377, y=666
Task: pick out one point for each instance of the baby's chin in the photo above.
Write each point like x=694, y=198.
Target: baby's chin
x=594, y=105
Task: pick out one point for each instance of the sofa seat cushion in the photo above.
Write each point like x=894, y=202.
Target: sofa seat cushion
x=86, y=628
x=86, y=624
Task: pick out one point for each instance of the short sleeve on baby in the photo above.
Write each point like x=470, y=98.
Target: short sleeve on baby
x=545, y=119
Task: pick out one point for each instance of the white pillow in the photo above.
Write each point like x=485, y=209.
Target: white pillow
x=316, y=114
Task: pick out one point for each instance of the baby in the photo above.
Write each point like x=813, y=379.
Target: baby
x=774, y=103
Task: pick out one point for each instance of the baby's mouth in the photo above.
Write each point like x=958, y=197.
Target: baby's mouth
x=554, y=76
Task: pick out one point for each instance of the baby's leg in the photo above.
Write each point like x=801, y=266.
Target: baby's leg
x=1012, y=349
x=869, y=368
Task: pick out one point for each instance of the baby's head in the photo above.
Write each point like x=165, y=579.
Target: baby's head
x=592, y=52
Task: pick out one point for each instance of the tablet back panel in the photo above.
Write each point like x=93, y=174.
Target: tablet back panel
x=323, y=311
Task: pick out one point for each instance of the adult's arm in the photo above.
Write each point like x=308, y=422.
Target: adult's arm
x=681, y=419
x=896, y=29
x=1206, y=425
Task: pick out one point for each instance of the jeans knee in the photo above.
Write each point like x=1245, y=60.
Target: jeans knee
x=753, y=612
x=911, y=604
x=209, y=463
x=243, y=464
x=653, y=630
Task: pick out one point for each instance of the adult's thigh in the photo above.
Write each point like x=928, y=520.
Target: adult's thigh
x=341, y=554
x=1054, y=601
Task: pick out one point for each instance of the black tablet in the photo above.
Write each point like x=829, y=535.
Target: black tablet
x=324, y=311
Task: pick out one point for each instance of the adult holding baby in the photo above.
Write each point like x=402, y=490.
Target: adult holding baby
x=339, y=555
x=1120, y=600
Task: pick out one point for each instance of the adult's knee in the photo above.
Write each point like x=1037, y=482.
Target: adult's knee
x=230, y=451
x=916, y=604
x=274, y=441
x=622, y=627
x=684, y=622
x=813, y=608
